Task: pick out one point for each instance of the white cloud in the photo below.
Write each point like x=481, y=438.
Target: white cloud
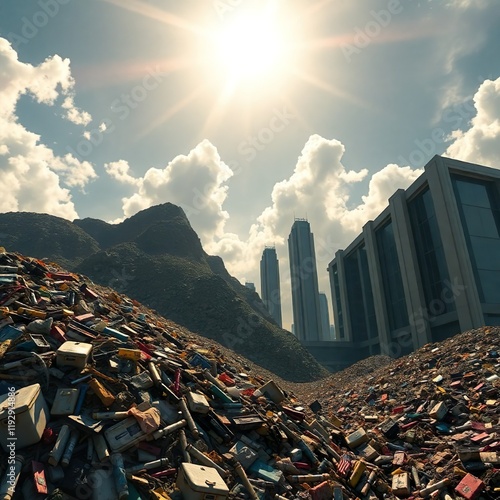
x=73, y=172
x=32, y=174
x=120, y=171
x=319, y=188
x=74, y=114
x=195, y=181
x=382, y=186
x=27, y=182
x=481, y=142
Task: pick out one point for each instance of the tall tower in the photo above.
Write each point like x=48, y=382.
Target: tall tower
x=325, y=316
x=270, y=283
x=304, y=277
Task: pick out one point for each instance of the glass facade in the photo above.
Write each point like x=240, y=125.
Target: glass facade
x=391, y=277
x=359, y=295
x=430, y=255
x=340, y=327
x=478, y=203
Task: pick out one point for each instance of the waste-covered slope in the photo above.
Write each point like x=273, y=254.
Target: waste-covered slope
x=46, y=236
x=150, y=397
x=157, y=258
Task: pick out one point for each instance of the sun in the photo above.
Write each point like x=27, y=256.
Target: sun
x=251, y=48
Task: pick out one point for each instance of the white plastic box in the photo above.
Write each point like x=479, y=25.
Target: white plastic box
x=198, y=482
x=197, y=402
x=73, y=354
x=124, y=434
x=31, y=415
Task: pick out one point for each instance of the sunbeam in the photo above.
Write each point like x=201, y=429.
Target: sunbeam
x=155, y=13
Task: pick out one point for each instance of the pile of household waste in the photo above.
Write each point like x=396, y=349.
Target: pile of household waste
x=102, y=398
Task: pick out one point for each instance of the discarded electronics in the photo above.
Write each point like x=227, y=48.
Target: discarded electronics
x=142, y=409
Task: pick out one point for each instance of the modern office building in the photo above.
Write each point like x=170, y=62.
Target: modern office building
x=270, y=283
x=426, y=268
x=250, y=285
x=304, y=280
x=325, y=317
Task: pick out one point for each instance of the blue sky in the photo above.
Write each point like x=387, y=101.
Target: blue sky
x=245, y=113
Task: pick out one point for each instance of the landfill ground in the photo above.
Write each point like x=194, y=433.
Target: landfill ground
x=101, y=398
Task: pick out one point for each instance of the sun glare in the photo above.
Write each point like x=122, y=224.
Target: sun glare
x=251, y=48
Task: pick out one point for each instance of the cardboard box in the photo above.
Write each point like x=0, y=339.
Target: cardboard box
x=197, y=402
x=30, y=416
x=73, y=354
x=272, y=391
x=470, y=487
x=368, y=452
x=438, y=411
x=198, y=482
x=401, y=485
x=322, y=491
x=357, y=438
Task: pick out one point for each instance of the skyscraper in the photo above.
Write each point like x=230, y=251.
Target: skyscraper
x=270, y=283
x=304, y=278
x=325, y=316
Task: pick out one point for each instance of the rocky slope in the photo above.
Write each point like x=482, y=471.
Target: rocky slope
x=157, y=258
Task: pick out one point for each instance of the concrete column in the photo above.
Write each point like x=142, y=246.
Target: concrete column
x=408, y=264
x=384, y=333
x=339, y=257
x=463, y=283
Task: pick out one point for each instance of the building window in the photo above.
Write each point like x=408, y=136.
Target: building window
x=338, y=302
x=478, y=203
x=360, y=296
x=371, y=318
x=391, y=278
x=430, y=255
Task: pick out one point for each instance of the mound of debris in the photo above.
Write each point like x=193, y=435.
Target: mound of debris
x=102, y=398
x=157, y=258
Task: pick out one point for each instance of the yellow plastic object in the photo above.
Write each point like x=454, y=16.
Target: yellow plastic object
x=134, y=354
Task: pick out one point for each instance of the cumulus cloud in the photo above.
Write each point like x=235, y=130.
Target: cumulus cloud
x=34, y=177
x=481, y=142
x=195, y=181
x=120, y=171
x=382, y=186
x=319, y=189
x=73, y=114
